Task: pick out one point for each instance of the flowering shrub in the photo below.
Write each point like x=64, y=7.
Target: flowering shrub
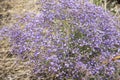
x=68, y=39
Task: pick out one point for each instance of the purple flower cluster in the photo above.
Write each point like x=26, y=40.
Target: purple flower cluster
x=68, y=39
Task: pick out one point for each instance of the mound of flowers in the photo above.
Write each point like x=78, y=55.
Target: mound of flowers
x=68, y=39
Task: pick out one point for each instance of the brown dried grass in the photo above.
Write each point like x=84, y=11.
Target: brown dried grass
x=11, y=67
x=9, y=9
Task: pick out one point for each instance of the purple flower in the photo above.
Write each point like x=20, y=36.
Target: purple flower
x=67, y=39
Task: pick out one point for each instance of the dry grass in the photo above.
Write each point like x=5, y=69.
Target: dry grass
x=4, y=14
x=11, y=67
x=9, y=9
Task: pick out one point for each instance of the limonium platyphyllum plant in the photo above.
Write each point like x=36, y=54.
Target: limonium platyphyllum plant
x=67, y=40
